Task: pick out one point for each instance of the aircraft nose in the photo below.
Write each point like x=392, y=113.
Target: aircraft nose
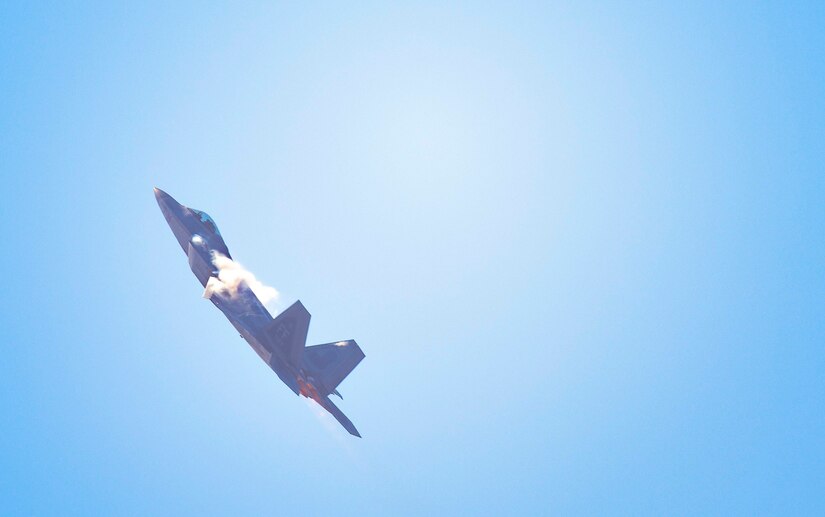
x=166, y=201
x=161, y=195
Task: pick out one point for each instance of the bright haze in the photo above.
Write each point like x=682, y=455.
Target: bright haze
x=582, y=247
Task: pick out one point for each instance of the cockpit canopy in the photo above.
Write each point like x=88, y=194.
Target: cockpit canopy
x=207, y=221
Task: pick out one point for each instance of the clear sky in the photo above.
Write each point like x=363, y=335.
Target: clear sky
x=581, y=246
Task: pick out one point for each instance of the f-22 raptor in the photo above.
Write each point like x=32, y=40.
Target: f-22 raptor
x=312, y=371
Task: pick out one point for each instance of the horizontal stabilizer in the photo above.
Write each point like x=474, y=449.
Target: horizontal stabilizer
x=332, y=362
x=288, y=332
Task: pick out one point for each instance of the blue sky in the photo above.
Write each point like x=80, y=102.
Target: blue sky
x=580, y=244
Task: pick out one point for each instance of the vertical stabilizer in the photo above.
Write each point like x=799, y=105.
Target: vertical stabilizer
x=339, y=415
x=288, y=332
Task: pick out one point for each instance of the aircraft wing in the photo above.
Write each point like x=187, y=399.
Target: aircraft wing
x=332, y=362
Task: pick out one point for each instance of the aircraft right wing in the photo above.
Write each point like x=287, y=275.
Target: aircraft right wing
x=332, y=362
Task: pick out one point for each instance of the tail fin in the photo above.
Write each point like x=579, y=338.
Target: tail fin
x=339, y=415
x=288, y=331
x=332, y=362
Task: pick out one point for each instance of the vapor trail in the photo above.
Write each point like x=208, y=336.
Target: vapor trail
x=231, y=275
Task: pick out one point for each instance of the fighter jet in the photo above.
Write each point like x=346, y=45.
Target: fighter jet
x=311, y=371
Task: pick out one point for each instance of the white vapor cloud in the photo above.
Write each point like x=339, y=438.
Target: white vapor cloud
x=231, y=275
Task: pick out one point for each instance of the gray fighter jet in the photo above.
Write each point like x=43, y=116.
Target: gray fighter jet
x=312, y=371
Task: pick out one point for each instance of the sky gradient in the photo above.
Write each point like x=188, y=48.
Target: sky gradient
x=581, y=246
